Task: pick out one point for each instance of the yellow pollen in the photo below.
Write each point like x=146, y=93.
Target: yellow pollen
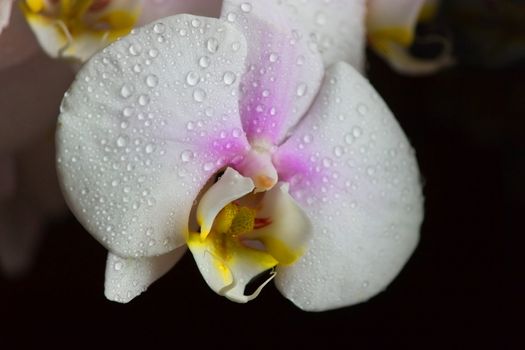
x=35, y=5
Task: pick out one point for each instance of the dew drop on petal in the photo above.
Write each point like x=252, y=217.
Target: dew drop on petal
x=122, y=141
x=199, y=95
x=152, y=80
x=357, y=132
x=301, y=89
x=192, y=78
x=159, y=28
x=126, y=90
x=204, y=61
x=228, y=78
x=212, y=45
x=186, y=156
x=246, y=7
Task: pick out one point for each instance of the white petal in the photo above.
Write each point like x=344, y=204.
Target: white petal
x=337, y=27
x=5, y=13
x=353, y=171
x=284, y=69
x=147, y=122
x=289, y=229
x=126, y=278
x=17, y=42
x=228, y=188
x=155, y=9
x=229, y=277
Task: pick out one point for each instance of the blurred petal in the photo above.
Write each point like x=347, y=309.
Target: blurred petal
x=352, y=170
x=155, y=9
x=337, y=28
x=147, y=122
x=29, y=110
x=283, y=73
x=5, y=13
x=17, y=42
x=126, y=278
x=81, y=28
x=391, y=31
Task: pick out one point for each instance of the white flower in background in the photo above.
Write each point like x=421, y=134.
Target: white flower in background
x=391, y=26
x=227, y=136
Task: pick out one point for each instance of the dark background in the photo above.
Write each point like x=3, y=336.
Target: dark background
x=467, y=125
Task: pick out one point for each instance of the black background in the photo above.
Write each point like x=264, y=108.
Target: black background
x=467, y=125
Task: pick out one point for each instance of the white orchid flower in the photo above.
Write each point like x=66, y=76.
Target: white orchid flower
x=319, y=184
x=391, y=28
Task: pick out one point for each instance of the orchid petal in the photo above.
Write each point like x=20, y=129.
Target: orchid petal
x=29, y=110
x=391, y=31
x=126, y=278
x=283, y=70
x=78, y=30
x=229, y=187
x=147, y=122
x=5, y=13
x=337, y=28
x=288, y=228
x=228, y=276
x=352, y=170
x=154, y=9
x=17, y=42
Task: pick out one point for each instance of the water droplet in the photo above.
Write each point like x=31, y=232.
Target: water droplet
x=246, y=7
x=134, y=49
x=229, y=78
x=273, y=57
x=349, y=138
x=212, y=45
x=357, y=132
x=362, y=109
x=127, y=112
x=204, y=61
x=186, y=156
x=320, y=18
x=153, y=53
x=301, y=89
x=236, y=46
x=118, y=266
x=150, y=148
x=236, y=133
x=199, y=95
x=143, y=100
x=137, y=68
x=159, y=28
x=195, y=23
x=126, y=90
x=231, y=17
x=152, y=80
x=192, y=78
x=338, y=151
x=190, y=125
x=307, y=138
x=371, y=170
x=327, y=162
x=207, y=166
x=122, y=141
